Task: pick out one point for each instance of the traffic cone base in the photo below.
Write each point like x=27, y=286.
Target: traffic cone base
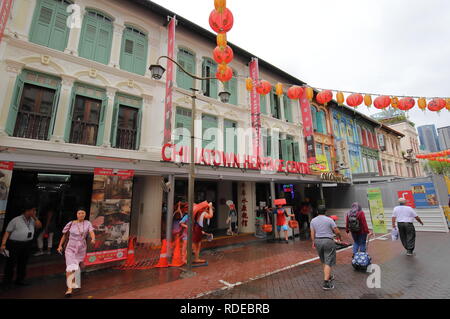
x=130, y=257
x=176, y=259
x=163, y=262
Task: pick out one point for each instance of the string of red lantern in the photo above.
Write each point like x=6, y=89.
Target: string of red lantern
x=221, y=21
x=438, y=156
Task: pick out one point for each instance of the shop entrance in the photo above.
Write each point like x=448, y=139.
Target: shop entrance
x=57, y=197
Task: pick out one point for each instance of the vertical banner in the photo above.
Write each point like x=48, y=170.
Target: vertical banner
x=425, y=195
x=169, y=82
x=6, y=169
x=5, y=8
x=376, y=210
x=110, y=215
x=255, y=106
x=408, y=195
x=308, y=130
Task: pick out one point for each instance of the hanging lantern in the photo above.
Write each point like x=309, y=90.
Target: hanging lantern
x=225, y=76
x=220, y=5
x=324, y=97
x=382, y=102
x=295, y=92
x=221, y=22
x=422, y=102
x=222, y=67
x=406, y=104
x=436, y=105
x=279, y=89
x=223, y=55
x=368, y=100
x=340, y=98
x=249, y=84
x=355, y=100
x=222, y=40
x=309, y=93
x=447, y=104
x=264, y=88
x=394, y=102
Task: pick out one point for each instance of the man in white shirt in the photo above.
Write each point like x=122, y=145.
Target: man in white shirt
x=404, y=216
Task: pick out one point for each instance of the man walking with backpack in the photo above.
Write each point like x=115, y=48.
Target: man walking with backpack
x=356, y=224
x=404, y=216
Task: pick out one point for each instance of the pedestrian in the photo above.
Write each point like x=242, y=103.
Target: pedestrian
x=404, y=216
x=323, y=230
x=17, y=242
x=48, y=229
x=355, y=222
x=232, y=219
x=282, y=223
x=75, y=233
x=306, y=211
x=202, y=212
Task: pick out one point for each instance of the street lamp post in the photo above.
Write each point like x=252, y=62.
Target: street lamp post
x=157, y=72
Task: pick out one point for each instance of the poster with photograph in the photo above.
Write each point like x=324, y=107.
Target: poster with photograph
x=375, y=199
x=425, y=195
x=110, y=215
x=6, y=169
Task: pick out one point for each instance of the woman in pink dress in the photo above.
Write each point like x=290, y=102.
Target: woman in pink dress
x=76, y=248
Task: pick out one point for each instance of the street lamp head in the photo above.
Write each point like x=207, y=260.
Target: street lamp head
x=157, y=71
x=224, y=96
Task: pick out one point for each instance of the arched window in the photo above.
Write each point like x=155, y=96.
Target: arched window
x=49, y=27
x=96, y=37
x=133, y=56
x=321, y=122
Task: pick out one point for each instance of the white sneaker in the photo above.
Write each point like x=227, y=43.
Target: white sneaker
x=39, y=253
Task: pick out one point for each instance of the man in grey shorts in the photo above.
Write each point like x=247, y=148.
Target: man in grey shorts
x=323, y=229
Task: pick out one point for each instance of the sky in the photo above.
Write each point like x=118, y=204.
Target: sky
x=391, y=47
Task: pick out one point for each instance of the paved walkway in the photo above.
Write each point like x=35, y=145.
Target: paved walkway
x=285, y=271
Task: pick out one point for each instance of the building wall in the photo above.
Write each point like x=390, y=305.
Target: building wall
x=444, y=138
x=428, y=138
x=390, y=153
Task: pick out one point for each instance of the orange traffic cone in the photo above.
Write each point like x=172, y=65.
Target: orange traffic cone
x=130, y=258
x=163, y=263
x=176, y=259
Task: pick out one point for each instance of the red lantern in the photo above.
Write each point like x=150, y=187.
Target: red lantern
x=263, y=88
x=382, y=102
x=436, y=105
x=221, y=22
x=225, y=76
x=355, y=100
x=223, y=55
x=295, y=92
x=406, y=104
x=324, y=97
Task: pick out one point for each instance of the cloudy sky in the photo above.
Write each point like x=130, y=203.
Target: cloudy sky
x=392, y=47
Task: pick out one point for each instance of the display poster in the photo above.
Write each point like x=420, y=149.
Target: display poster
x=321, y=164
x=6, y=170
x=5, y=8
x=169, y=82
x=255, y=107
x=408, y=195
x=425, y=195
x=110, y=215
x=375, y=199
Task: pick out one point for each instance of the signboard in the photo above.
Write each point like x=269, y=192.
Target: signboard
x=255, y=107
x=321, y=164
x=110, y=215
x=6, y=170
x=425, y=195
x=169, y=82
x=308, y=129
x=5, y=8
x=375, y=199
x=408, y=195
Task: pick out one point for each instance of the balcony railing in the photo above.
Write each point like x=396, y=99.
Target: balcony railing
x=84, y=133
x=126, y=139
x=32, y=125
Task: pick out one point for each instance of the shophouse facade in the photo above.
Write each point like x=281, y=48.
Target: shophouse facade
x=392, y=161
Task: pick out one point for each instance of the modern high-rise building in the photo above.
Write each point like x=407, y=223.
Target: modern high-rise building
x=444, y=138
x=428, y=138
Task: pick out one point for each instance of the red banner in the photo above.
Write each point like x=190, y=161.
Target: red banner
x=110, y=215
x=169, y=82
x=5, y=8
x=255, y=108
x=408, y=195
x=308, y=129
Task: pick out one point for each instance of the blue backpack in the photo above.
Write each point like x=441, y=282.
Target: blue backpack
x=361, y=261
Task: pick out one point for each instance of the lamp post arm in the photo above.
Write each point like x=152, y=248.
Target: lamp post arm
x=182, y=69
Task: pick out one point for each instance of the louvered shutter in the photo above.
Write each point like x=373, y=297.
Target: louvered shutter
x=114, y=124
x=42, y=26
x=287, y=109
x=60, y=31
x=101, y=122
x=15, y=104
x=88, y=37
x=54, y=109
x=263, y=104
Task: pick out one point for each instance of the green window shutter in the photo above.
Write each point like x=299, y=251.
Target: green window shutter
x=213, y=86
x=88, y=39
x=263, y=103
x=296, y=152
x=138, y=131
x=133, y=56
x=140, y=57
x=96, y=38
x=114, y=123
x=287, y=109
x=272, y=103
x=54, y=109
x=269, y=146
x=182, y=120
x=101, y=122
x=289, y=146
x=42, y=22
x=284, y=150
x=15, y=104
x=126, y=55
x=187, y=61
x=69, y=116
x=60, y=31
x=204, y=83
x=208, y=122
x=230, y=132
x=232, y=87
x=103, y=49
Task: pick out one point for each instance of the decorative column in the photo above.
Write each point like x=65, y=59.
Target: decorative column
x=146, y=123
x=116, y=44
x=62, y=108
x=110, y=93
x=283, y=118
x=75, y=31
x=7, y=84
